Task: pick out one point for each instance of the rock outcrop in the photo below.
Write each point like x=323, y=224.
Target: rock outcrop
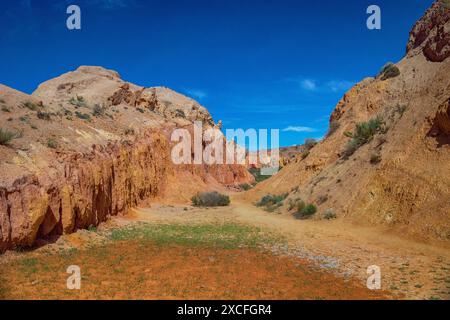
x=87, y=146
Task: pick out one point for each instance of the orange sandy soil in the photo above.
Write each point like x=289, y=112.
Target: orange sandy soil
x=133, y=270
x=323, y=260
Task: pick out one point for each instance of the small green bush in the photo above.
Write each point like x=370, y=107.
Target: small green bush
x=210, y=199
x=6, y=137
x=98, y=110
x=83, y=116
x=245, y=186
x=305, y=154
x=52, y=144
x=78, y=102
x=375, y=158
x=389, y=71
x=256, y=172
x=269, y=199
x=329, y=214
x=129, y=131
x=322, y=199
x=30, y=105
x=334, y=126
x=310, y=143
x=363, y=134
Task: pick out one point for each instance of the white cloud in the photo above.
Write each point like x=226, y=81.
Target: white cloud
x=308, y=84
x=195, y=93
x=299, y=129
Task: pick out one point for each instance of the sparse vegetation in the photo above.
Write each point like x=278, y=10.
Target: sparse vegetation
x=83, y=116
x=400, y=109
x=227, y=235
x=375, y=158
x=256, y=172
x=98, y=110
x=44, y=115
x=364, y=132
x=6, y=137
x=305, y=154
x=310, y=143
x=78, y=102
x=5, y=109
x=389, y=71
x=334, y=126
x=322, y=199
x=30, y=105
x=52, y=144
x=307, y=212
x=329, y=214
x=297, y=204
x=272, y=202
x=210, y=199
x=245, y=186
x=140, y=110
x=129, y=131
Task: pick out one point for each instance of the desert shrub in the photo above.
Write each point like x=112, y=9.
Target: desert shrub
x=363, y=134
x=306, y=212
x=210, y=199
x=334, y=126
x=30, y=105
x=400, y=109
x=322, y=199
x=5, y=109
x=329, y=214
x=129, y=131
x=98, y=110
x=6, y=137
x=24, y=119
x=44, y=115
x=389, y=71
x=297, y=204
x=140, y=110
x=78, y=102
x=375, y=158
x=256, y=172
x=52, y=144
x=245, y=186
x=305, y=154
x=269, y=200
x=83, y=116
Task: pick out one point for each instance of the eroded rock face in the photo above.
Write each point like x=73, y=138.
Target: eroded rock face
x=110, y=152
x=431, y=34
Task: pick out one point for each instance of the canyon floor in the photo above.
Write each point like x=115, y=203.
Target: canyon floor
x=237, y=252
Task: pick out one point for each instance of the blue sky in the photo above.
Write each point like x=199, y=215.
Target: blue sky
x=254, y=64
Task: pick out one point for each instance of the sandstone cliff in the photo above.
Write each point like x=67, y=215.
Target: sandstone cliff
x=401, y=177
x=88, y=145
